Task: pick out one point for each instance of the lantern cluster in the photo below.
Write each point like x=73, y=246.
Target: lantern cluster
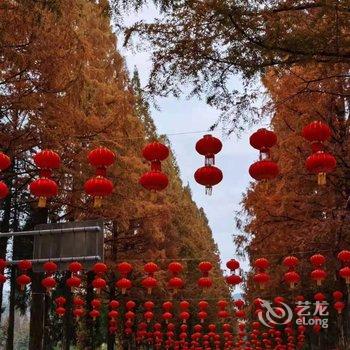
x=129, y=316
x=45, y=187
x=205, y=281
x=167, y=315
x=318, y=274
x=150, y=282
x=5, y=163
x=202, y=313
x=155, y=180
x=291, y=276
x=74, y=280
x=175, y=282
x=113, y=316
x=319, y=162
x=344, y=272
x=60, y=303
x=99, y=282
x=264, y=169
x=184, y=311
x=100, y=186
x=239, y=311
x=338, y=303
x=95, y=312
x=233, y=279
x=49, y=282
x=208, y=175
x=124, y=268
x=222, y=312
x=23, y=279
x=261, y=277
x=78, y=310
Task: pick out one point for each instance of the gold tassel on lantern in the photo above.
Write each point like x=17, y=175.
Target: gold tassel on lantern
x=321, y=179
x=97, y=202
x=42, y=202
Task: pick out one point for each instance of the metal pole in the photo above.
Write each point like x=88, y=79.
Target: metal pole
x=51, y=231
x=63, y=259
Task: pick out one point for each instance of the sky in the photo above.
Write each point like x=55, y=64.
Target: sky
x=183, y=115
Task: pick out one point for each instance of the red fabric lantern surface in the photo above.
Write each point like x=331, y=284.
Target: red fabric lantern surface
x=99, y=268
x=292, y=278
x=263, y=140
x=339, y=306
x=176, y=283
x=48, y=283
x=344, y=256
x=43, y=188
x=318, y=275
x=264, y=170
x=23, y=280
x=261, y=263
x=319, y=297
x=24, y=265
x=60, y=301
x=60, y=311
x=5, y=161
x=94, y=314
x=75, y=267
x=47, y=159
x=124, y=268
x=98, y=187
x=345, y=273
x=73, y=282
x=209, y=146
x=96, y=303
x=337, y=295
x=78, y=301
x=150, y=268
x=261, y=278
x=99, y=283
x=3, y=278
x=154, y=181
x=291, y=261
x=239, y=303
x=124, y=284
x=232, y=265
x=205, y=282
x=321, y=163
x=78, y=312
x=208, y=176
x=205, y=266
x=113, y=314
x=175, y=267
x=114, y=304
x=155, y=151
x=50, y=267
x=3, y=264
x=316, y=131
x=317, y=260
x=4, y=190
x=233, y=280
x=149, y=283
x=101, y=158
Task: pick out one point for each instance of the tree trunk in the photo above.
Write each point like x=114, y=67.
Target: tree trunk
x=68, y=330
x=11, y=321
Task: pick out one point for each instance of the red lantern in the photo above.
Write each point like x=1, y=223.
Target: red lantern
x=124, y=268
x=176, y=283
x=319, y=297
x=75, y=267
x=149, y=283
x=292, y=278
x=316, y=131
x=60, y=311
x=184, y=316
x=261, y=278
x=339, y=306
x=175, y=267
x=208, y=176
x=24, y=265
x=47, y=159
x=98, y=187
x=261, y=263
x=73, y=282
x=317, y=260
x=123, y=284
x=233, y=280
x=345, y=273
x=60, y=301
x=43, y=188
x=3, y=278
x=94, y=314
x=96, y=303
x=150, y=268
x=205, y=282
x=98, y=283
x=202, y=315
x=319, y=276
x=239, y=303
x=113, y=314
x=154, y=181
x=23, y=280
x=50, y=267
x=208, y=146
x=232, y=265
x=205, y=267
x=320, y=163
x=48, y=283
x=101, y=158
x=78, y=312
x=263, y=140
x=4, y=191
x=155, y=151
x=100, y=268
x=5, y=161
x=264, y=170
x=337, y=295
x=344, y=256
x=291, y=261
x=78, y=301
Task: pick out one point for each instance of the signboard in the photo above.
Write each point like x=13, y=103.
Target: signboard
x=82, y=241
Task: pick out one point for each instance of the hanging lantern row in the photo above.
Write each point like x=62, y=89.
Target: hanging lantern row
x=292, y=277
x=5, y=163
x=320, y=162
x=208, y=175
